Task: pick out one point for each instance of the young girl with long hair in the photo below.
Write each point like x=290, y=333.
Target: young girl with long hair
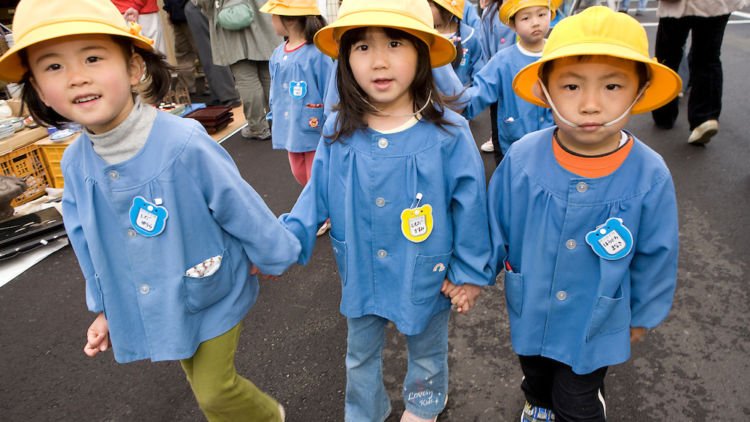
x=400, y=177
x=164, y=227
x=448, y=18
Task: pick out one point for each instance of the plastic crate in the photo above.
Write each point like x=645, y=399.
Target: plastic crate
x=26, y=163
x=52, y=154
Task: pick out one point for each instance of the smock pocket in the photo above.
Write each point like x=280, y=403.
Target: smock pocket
x=339, y=252
x=208, y=282
x=312, y=118
x=514, y=292
x=511, y=129
x=428, y=275
x=610, y=316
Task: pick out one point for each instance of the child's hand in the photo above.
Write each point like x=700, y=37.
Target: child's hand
x=637, y=334
x=97, y=338
x=462, y=297
x=255, y=271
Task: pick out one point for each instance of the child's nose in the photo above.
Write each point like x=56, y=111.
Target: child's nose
x=590, y=102
x=77, y=76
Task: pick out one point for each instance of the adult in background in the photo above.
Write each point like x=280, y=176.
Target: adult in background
x=246, y=51
x=706, y=19
x=219, y=78
x=185, y=50
x=146, y=14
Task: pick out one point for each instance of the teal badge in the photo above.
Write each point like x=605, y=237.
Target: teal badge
x=298, y=89
x=146, y=218
x=612, y=240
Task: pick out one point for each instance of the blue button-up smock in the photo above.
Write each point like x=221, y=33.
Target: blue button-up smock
x=564, y=301
x=495, y=35
x=494, y=84
x=298, y=86
x=363, y=183
x=473, y=59
x=154, y=308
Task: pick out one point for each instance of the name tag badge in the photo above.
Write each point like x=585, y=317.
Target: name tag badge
x=416, y=223
x=298, y=89
x=147, y=219
x=611, y=240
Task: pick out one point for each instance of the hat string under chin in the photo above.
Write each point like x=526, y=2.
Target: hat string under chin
x=416, y=113
x=575, y=125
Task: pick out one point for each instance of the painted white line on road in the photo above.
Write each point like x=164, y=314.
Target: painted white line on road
x=741, y=15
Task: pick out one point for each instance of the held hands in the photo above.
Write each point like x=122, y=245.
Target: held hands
x=97, y=337
x=462, y=297
x=637, y=334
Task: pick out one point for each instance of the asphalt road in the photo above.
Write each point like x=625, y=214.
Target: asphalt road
x=694, y=367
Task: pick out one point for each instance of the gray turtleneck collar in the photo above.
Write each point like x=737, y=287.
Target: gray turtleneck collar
x=123, y=142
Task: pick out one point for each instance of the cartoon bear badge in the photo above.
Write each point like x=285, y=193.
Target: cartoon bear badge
x=298, y=89
x=148, y=219
x=611, y=240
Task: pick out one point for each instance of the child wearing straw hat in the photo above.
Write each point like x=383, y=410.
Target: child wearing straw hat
x=583, y=215
x=400, y=177
x=164, y=227
x=299, y=76
x=530, y=19
x=448, y=18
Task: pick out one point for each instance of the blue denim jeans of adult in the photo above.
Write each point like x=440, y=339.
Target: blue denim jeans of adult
x=426, y=382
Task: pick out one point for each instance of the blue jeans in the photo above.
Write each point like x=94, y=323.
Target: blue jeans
x=625, y=3
x=426, y=383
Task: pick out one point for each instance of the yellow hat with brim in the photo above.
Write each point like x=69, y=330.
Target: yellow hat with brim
x=291, y=7
x=36, y=21
x=456, y=7
x=599, y=31
x=511, y=7
x=413, y=17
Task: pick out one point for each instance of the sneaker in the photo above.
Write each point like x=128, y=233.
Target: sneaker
x=324, y=228
x=487, y=146
x=536, y=414
x=264, y=136
x=411, y=417
x=282, y=413
x=704, y=132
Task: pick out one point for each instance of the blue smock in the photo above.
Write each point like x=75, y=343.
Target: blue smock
x=471, y=15
x=564, y=301
x=472, y=60
x=494, y=84
x=495, y=35
x=298, y=86
x=153, y=308
x=363, y=183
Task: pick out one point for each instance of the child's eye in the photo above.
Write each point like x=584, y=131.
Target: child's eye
x=394, y=44
x=360, y=47
x=92, y=59
x=570, y=87
x=52, y=67
x=612, y=87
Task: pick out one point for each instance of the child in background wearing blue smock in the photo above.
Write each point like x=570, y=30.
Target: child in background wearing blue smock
x=164, y=228
x=583, y=216
x=515, y=117
x=401, y=179
x=448, y=15
x=299, y=74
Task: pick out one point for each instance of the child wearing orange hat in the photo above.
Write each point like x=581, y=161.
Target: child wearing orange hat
x=583, y=215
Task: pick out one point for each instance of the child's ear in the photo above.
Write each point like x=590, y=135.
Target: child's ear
x=136, y=69
x=536, y=89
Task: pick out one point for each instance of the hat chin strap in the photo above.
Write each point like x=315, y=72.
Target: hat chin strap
x=416, y=113
x=608, y=124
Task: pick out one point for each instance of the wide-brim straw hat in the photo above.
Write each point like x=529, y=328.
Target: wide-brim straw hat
x=511, y=7
x=599, y=31
x=456, y=7
x=291, y=7
x=413, y=16
x=36, y=21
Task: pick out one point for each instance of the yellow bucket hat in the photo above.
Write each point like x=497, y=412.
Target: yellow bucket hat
x=456, y=7
x=41, y=20
x=511, y=7
x=599, y=31
x=413, y=16
x=291, y=7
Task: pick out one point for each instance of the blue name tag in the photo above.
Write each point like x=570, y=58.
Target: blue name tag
x=146, y=218
x=298, y=89
x=612, y=240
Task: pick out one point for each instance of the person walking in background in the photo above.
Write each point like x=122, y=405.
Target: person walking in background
x=146, y=14
x=185, y=49
x=706, y=20
x=246, y=48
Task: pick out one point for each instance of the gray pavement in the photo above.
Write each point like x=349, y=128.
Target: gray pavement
x=694, y=367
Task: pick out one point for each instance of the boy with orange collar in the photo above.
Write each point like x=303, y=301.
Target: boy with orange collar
x=583, y=216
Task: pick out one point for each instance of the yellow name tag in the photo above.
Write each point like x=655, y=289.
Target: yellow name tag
x=416, y=223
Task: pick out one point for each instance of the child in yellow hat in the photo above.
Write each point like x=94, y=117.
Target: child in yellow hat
x=530, y=19
x=448, y=17
x=164, y=227
x=583, y=215
x=401, y=180
x=299, y=77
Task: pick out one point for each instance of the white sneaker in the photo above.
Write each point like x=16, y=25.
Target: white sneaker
x=704, y=132
x=487, y=146
x=282, y=413
x=324, y=228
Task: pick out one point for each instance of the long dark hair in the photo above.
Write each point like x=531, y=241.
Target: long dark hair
x=154, y=85
x=447, y=16
x=310, y=24
x=353, y=104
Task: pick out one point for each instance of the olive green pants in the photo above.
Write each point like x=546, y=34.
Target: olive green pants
x=222, y=394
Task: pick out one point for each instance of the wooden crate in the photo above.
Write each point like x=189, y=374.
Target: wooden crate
x=26, y=163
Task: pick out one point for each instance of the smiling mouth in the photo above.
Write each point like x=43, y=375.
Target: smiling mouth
x=86, y=99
